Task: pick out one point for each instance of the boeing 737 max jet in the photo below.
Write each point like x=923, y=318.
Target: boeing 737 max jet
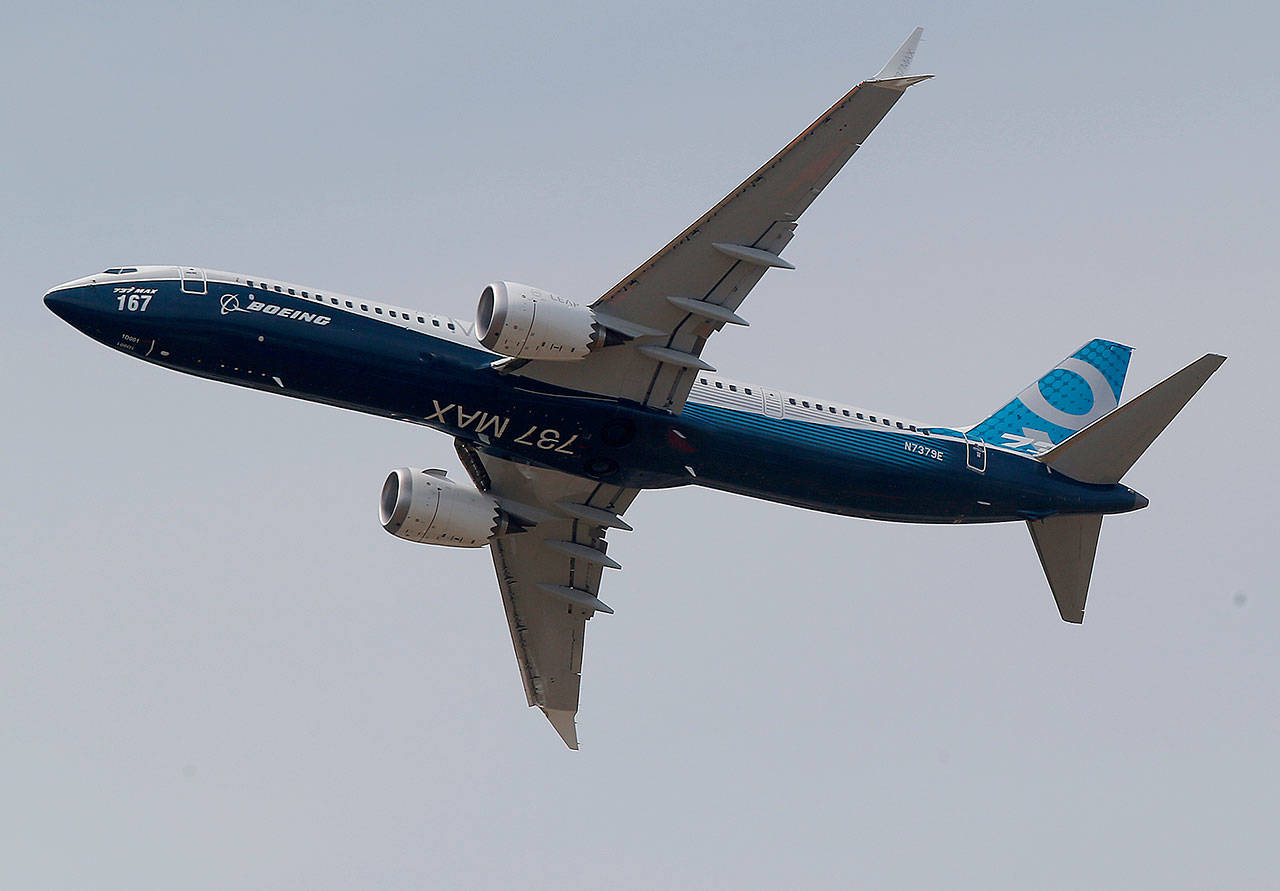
x=563, y=413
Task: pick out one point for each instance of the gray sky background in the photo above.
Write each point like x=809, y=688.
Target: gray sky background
x=216, y=670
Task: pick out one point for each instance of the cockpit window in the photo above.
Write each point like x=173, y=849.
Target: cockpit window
x=119, y=270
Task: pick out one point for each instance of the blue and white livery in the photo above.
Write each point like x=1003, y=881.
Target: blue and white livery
x=1069, y=397
x=562, y=413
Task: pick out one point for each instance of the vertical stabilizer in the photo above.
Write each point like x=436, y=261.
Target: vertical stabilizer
x=1067, y=544
x=1068, y=397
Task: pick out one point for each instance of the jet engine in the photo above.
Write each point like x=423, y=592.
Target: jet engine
x=524, y=322
x=425, y=506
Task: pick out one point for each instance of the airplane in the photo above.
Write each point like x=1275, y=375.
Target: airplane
x=563, y=413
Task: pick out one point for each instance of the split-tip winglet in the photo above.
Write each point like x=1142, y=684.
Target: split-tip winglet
x=898, y=66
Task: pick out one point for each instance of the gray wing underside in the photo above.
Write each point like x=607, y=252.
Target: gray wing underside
x=720, y=258
x=547, y=576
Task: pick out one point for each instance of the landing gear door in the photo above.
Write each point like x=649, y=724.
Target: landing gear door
x=976, y=454
x=193, y=281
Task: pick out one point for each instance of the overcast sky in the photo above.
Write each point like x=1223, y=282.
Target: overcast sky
x=216, y=670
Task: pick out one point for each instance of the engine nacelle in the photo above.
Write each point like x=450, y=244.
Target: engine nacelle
x=422, y=505
x=524, y=322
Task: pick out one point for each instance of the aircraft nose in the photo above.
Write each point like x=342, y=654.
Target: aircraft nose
x=1139, y=501
x=60, y=301
x=76, y=304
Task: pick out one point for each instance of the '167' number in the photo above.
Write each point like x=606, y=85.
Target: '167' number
x=134, y=302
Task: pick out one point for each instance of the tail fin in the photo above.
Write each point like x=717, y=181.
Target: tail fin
x=1107, y=448
x=1066, y=544
x=1069, y=397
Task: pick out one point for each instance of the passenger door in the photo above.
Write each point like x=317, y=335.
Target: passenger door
x=772, y=404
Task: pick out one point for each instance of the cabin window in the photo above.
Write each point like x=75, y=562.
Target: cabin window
x=720, y=385
x=747, y=390
x=871, y=418
x=900, y=427
x=278, y=291
x=436, y=322
x=304, y=294
x=733, y=388
x=421, y=320
x=846, y=412
x=791, y=401
x=333, y=300
x=378, y=310
x=364, y=307
x=451, y=328
x=805, y=403
x=832, y=409
x=886, y=422
x=250, y=283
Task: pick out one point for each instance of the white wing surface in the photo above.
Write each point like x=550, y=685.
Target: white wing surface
x=550, y=573
x=693, y=287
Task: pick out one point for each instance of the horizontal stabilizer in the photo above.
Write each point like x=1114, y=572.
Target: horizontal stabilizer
x=1067, y=544
x=1107, y=448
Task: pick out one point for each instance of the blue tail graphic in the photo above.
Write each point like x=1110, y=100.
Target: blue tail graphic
x=1076, y=392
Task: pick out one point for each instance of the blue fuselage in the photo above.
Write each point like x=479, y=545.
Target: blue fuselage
x=412, y=367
